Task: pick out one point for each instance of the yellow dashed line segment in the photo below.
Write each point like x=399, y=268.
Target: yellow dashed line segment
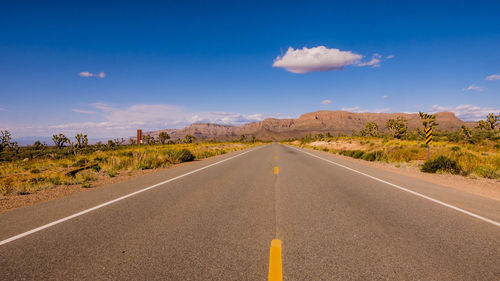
x=275, y=271
x=275, y=170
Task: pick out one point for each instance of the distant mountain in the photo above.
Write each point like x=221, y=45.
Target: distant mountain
x=324, y=121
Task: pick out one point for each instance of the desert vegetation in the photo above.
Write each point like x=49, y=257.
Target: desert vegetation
x=470, y=151
x=25, y=170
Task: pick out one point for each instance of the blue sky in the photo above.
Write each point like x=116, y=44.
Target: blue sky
x=167, y=64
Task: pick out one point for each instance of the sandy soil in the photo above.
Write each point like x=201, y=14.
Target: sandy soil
x=481, y=186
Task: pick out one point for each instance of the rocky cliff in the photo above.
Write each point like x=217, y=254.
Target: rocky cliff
x=334, y=122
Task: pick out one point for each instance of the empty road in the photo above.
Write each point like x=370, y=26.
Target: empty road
x=215, y=219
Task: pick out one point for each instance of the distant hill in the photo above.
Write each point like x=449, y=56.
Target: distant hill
x=324, y=121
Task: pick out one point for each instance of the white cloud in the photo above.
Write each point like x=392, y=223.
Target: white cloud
x=83, y=111
x=390, y=57
x=110, y=122
x=385, y=97
x=326, y=102
x=358, y=109
x=374, y=62
x=228, y=118
x=352, y=109
x=3, y=109
x=466, y=112
x=315, y=59
x=102, y=106
x=493, y=77
x=473, y=88
x=90, y=74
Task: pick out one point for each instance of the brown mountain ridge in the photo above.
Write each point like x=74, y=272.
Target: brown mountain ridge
x=324, y=121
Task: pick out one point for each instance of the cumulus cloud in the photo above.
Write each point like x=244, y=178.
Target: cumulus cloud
x=83, y=111
x=90, y=74
x=390, y=57
x=473, y=88
x=326, y=102
x=318, y=58
x=466, y=112
x=493, y=77
x=385, y=97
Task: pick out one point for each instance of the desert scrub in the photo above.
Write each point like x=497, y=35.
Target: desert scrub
x=441, y=164
x=476, y=159
x=487, y=172
x=7, y=186
x=25, y=174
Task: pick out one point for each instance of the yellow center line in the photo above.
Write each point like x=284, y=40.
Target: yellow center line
x=275, y=271
x=275, y=157
x=275, y=170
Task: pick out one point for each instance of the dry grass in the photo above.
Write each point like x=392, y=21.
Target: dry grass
x=31, y=175
x=474, y=160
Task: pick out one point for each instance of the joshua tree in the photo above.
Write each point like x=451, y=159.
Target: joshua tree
x=119, y=141
x=243, y=138
x=81, y=141
x=466, y=132
x=189, y=138
x=5, y=139
x=428, y=120
x=371, y=129
x=493, y=120
x=253, y=139
x=60, y=140
x=163, y=137
x=148, y=139
x=398, y=127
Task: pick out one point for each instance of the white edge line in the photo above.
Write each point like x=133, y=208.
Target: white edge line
x=407, y=190
x=13, y=238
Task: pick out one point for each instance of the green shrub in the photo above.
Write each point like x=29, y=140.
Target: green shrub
x=358, y=154
x=35, y=171
x=112, y=173
x=37, y=180
x=375, y=156
x=86, y=176
x=6, y=186
x=96, y=168
x=81, y=162
x=441, y=164
x=55, y=180
x=175, y=156
x=455, y=148
x=86, y=184
x=487, y=172
x=99, y=159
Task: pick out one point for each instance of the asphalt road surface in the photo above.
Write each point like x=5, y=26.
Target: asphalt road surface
x=215, y=219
